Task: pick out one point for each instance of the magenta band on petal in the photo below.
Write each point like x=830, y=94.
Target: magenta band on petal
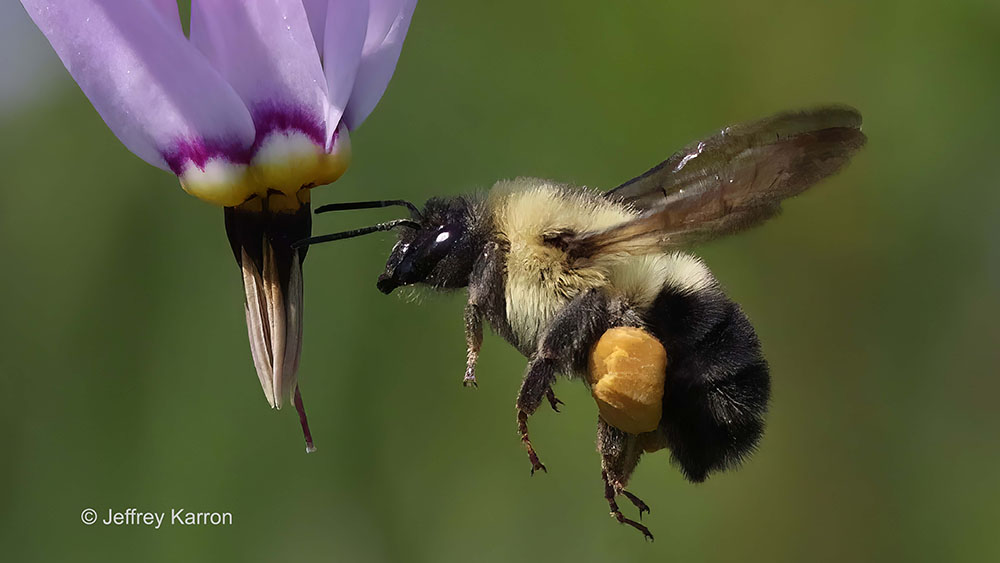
x=267, y=119
x=199, y=152
x=290, y=151
x=215, y=172
x=275, y=116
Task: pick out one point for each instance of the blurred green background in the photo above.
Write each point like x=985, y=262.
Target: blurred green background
x=127, y=376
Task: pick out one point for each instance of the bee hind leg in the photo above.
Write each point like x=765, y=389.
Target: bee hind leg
x=610, y=492
x=620, y=453
x=643, y=507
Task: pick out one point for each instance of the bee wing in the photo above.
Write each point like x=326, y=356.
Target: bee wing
x=728, y=182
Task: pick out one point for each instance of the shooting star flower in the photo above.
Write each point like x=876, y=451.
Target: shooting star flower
x=250, y=113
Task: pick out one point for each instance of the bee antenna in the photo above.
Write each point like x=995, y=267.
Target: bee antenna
x=371, y=205
x=357, y=232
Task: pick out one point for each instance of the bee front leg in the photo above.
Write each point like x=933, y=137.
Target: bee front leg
x=486, y=299
x=473, y=341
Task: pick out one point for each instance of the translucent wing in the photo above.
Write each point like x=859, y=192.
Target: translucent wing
x=728, y=182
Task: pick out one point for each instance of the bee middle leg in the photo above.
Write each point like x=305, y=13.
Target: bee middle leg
x=554, y=401
x=562, y=349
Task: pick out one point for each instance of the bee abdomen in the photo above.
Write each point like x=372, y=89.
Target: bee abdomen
x=717, y=382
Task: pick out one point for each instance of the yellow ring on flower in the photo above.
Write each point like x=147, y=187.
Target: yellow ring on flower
x=287, y=161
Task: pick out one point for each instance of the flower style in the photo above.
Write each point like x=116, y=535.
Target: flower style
x=249, y=113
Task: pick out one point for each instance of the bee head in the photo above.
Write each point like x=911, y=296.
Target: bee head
x=435, y=247
x=438, y=253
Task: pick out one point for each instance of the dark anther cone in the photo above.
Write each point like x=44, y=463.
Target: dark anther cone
x=261, y=232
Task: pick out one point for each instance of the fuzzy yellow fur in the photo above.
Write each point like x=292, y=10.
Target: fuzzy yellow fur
x=539, y=279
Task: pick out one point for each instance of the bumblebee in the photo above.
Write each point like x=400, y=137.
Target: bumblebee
x=594, y=286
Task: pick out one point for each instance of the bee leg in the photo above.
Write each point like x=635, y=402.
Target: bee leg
x=522, y=428
x=538, y=381
x=643, y=507
x=554, y=401
x=620, y=453
x=537, y=384
x=473, y=341
x=609, y=495
x=563, y=348
x=486, y=294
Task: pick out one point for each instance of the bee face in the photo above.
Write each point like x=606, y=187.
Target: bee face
x=416, y=256
x=439, y=253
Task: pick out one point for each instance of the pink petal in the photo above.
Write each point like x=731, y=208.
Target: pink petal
x=388, y=22
x=155, y=91
x=168, y=10
x=265, y=49
x=345, y=30
x=382, y=15
x=316, y=13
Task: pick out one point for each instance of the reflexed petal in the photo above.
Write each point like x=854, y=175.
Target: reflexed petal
x=316, y=13
x=156, y=92
x=266, y=51
x=388, y=22
x=168, y=10
x=382, y=15
x=345, y=31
